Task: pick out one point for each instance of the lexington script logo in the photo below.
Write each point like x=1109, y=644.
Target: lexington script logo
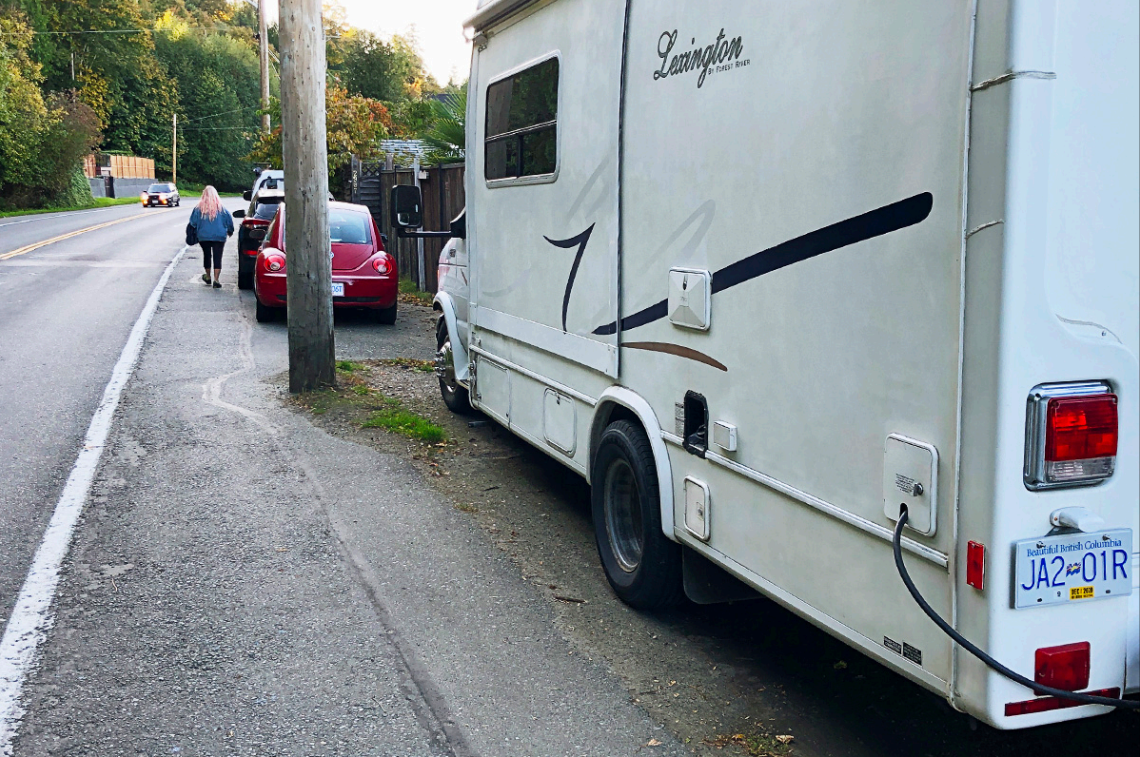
x=721, y=55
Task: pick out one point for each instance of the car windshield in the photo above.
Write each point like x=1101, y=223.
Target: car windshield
x=266, y=209
x=348, y=227
x=159, y=188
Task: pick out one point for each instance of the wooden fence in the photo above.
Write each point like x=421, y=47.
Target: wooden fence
x=122, y=166
x=442, y=188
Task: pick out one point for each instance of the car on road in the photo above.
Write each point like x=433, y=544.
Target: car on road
x=364, y=275
x=162, y=193
x=251, y=232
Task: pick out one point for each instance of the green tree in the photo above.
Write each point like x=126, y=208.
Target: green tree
x=354, y=126
x=447, y=134
x=379, y=70
x=217, y=80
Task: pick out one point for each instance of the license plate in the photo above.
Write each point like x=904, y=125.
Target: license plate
x=338, y=288
x=1053, y=570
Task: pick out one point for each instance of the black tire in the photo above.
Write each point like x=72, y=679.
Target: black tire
x=245, y=279
x=385, y=316
x=266, y=314
x=642, y=566
x=454, y=394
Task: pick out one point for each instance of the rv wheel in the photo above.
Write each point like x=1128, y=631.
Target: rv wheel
x=453, y=393
x=642, y=566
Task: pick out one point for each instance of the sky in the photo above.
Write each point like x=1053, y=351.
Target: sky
x=438, y=28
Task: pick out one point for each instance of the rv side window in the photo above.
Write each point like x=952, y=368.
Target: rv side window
x=522, y=113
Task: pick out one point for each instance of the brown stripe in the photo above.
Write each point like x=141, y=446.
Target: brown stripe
x=678, y=350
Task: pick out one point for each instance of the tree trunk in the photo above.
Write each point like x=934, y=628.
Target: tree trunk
x=309, y=267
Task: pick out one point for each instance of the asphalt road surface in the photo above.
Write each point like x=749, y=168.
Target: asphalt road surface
x=65, y=312
x=240, y=582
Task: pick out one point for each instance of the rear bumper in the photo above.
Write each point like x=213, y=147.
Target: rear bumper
x=372, y=292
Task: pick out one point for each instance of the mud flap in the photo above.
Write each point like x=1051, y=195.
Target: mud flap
x=708, y=584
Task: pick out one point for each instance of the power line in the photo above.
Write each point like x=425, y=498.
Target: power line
x=223, y=113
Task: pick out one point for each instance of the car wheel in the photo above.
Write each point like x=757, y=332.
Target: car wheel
x=266, y=314
x=642, y=566
x=386, y=316
x=453, y=393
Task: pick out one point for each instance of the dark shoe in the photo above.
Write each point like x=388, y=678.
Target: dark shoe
x=217, y=285
x=206, y=278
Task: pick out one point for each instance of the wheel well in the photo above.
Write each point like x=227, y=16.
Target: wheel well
x=608, y=413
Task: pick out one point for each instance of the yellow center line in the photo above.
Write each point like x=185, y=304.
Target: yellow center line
x=36, y=245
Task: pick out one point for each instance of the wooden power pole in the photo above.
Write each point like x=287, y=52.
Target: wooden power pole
x=263, y=45
x=309, y=270
x=174, y=150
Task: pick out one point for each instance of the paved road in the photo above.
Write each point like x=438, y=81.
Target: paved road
x=65, y=312
x=241, y=583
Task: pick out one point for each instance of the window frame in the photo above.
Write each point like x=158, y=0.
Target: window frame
x=542, y=178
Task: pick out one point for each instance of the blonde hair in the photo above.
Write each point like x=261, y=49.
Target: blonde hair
x=210, y=204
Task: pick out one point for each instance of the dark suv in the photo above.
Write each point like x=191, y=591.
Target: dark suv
x=165, y=194
x=251, y=232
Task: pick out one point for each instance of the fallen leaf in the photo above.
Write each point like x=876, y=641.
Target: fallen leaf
x=653, y=742
x=785, y=739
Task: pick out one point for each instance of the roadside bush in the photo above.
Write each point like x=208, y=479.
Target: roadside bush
x=76, y=193
x=41, y=141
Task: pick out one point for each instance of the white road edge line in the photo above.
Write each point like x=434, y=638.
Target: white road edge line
x=31, y=617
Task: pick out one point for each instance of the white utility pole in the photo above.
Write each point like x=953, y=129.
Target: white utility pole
x=263, y=34
x=304, y=152
x=174, y=150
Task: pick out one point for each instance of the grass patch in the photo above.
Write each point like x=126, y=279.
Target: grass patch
x=401, y=421
x=410, y=292
x=423, y=366
x=359, y=403
x=101, y=202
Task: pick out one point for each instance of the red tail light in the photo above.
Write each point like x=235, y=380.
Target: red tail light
x=1064, y=667
x=274, y=263
x=1045, y=704
x=382, y=264
x=1071, y=435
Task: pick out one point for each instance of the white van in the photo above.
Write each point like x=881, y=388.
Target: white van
x=770, y=275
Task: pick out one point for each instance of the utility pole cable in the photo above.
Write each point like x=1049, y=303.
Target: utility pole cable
x=305, y=158
x=263, y=34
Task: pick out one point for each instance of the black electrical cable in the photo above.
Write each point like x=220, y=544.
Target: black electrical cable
x=991, y=662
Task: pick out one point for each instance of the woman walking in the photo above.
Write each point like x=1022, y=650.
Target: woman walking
x=213, y=224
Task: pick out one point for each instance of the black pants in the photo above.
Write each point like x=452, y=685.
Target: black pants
x=213, y=249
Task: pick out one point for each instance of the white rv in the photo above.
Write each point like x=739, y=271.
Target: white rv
x=770, y=275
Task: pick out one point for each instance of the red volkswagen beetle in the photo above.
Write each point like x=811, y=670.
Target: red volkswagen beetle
x=363, y=274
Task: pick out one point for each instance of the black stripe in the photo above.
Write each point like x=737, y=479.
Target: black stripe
x=874, y=223
x=581, y=241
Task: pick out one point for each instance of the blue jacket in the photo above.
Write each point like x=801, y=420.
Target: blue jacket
x=212, y=231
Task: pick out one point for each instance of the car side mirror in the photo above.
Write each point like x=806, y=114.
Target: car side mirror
x=239, y=214
x=407, y=207
x=459, y=226
x=247, y=195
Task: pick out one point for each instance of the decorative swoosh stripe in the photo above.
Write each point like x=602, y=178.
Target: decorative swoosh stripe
x=676, y=349
x=874, y=223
